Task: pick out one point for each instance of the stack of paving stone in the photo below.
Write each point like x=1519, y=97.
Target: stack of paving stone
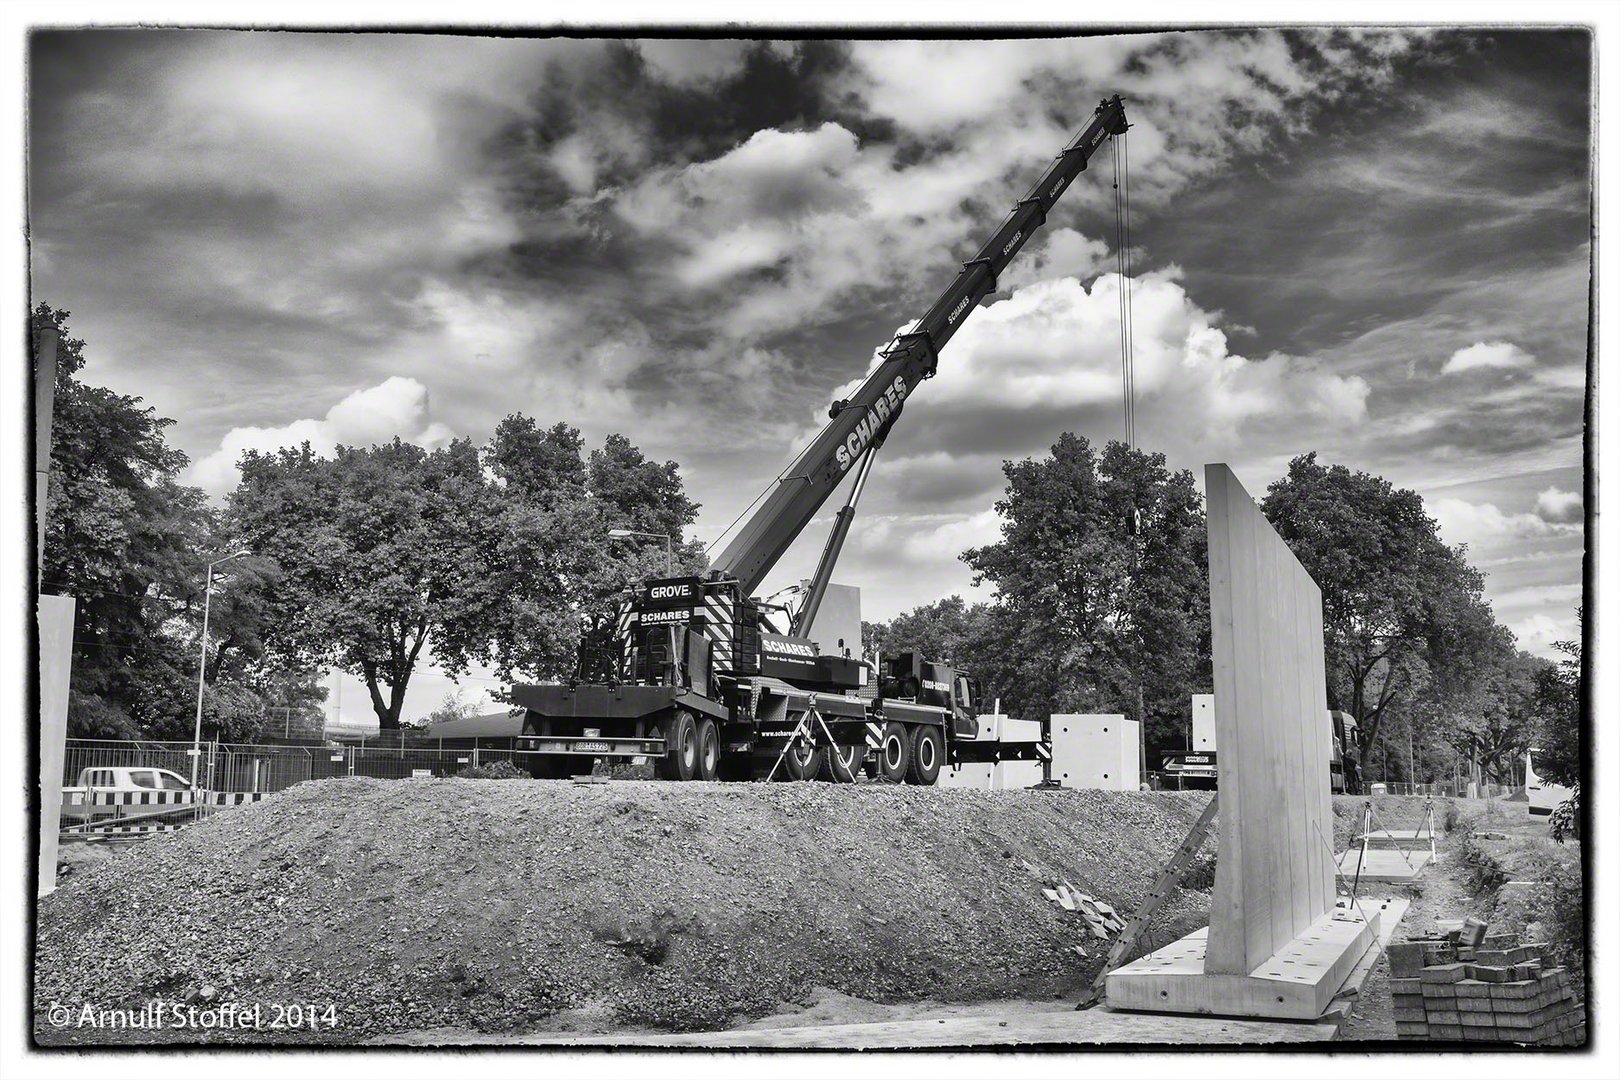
x=1471, y=986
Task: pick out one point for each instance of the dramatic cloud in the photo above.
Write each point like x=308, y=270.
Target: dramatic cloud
x=1559, y=507
x=1477, y=524
x=1487, y=354
x=1371, y=244
x=374, y=415
x=1047, y=360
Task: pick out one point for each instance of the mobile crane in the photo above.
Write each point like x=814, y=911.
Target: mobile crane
x=709, y=685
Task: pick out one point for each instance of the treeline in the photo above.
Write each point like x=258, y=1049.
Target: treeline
x=370, y=561
x=1101, y=605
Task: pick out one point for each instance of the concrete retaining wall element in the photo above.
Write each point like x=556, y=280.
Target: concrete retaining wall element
x=1274, y=870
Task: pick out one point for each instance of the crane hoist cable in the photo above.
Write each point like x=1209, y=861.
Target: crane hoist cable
x=1122, y=261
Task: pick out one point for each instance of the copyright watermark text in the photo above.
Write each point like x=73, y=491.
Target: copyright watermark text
x=191, y=1016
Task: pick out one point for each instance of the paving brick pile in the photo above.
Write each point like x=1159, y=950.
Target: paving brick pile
x=1474, y=986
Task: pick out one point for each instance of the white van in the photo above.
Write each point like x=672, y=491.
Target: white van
x=78, y=805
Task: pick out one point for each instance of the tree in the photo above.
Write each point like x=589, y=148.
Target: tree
x=1558, y=695
x=377, y=550
x=499, y=556
x=1403, y=613
x=129, y=542
x=453, y=706
x=556, y=573
x=945, y=632
x=1101, y=583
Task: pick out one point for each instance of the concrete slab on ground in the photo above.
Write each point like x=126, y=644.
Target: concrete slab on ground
x=1384, y=864
x=1297, y=982
x=1061, y=1026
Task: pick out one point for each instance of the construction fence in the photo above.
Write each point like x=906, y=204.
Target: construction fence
x=269, y=767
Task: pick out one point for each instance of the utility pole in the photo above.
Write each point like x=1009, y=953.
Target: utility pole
x=202, y=663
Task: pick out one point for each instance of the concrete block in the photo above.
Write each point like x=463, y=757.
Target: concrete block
x=1474, y=1005
x=1404, y=985
x=1513, y=991
x=1409, y=1030
x=1476, y=1019
x=1405, y=959
x=1499, y=941
x=1521, y=1021
x=1100, y=751
x=1445, y=1016
x=1444, y=973
x=1432, y=991
x=1417, y=1015
x=1473, y=988
x=1486, y=973
x=1436, y=953
x=1015, y=775
x=1473, y=931
x=1445, y=1032
x=969, y=775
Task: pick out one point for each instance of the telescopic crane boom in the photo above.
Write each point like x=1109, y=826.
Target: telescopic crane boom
x=860, y=422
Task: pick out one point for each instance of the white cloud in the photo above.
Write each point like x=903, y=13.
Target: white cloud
x=398, y=406
x=1051, y=351
x=1487, y=354
x=1476, y=524
x=1536, y=633
x=1559, y=507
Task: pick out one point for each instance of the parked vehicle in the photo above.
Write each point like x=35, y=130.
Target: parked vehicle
x=77, y=802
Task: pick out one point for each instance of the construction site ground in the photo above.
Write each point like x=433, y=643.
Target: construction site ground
x=457, y=911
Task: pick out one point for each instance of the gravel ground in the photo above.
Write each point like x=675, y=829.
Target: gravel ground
x=507, y=905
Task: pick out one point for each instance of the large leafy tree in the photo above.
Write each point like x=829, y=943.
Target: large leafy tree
x=557, y=574
x=392, y=556
x=1102, y=587
x=129, y=542
x=376, y=551
x=1403, y=612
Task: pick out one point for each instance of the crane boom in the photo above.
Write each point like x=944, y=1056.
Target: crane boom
x=867, y=415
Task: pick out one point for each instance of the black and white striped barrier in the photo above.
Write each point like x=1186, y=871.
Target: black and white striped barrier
x=159, y=798
x=95, y=831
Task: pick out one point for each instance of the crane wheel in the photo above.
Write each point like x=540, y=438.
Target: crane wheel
x=680, y=760
x=708, y=747
x=841, y=764
x=801, y=762
x=893, y=753
x=927, y=755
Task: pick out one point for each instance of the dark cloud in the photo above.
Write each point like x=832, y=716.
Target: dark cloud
x=696, y=243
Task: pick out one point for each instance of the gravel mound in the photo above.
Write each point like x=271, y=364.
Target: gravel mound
x=506, y=905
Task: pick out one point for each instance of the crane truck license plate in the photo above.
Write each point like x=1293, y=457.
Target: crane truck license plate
x=592, y=747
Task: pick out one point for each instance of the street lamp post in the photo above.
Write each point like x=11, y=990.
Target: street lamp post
x=669, y=544
x=202, y=662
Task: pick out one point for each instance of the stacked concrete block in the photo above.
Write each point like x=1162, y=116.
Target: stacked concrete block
x=1493, y=990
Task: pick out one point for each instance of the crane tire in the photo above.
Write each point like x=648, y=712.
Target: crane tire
x=841, y=764
x=801, y=762
x=680, y=758
x=927, y=755
x=708, y=748
x=893, y=753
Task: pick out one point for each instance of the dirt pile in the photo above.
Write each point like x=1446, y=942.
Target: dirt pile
x=497, y=905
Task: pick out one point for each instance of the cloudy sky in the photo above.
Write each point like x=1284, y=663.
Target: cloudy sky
x=1371, y=245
